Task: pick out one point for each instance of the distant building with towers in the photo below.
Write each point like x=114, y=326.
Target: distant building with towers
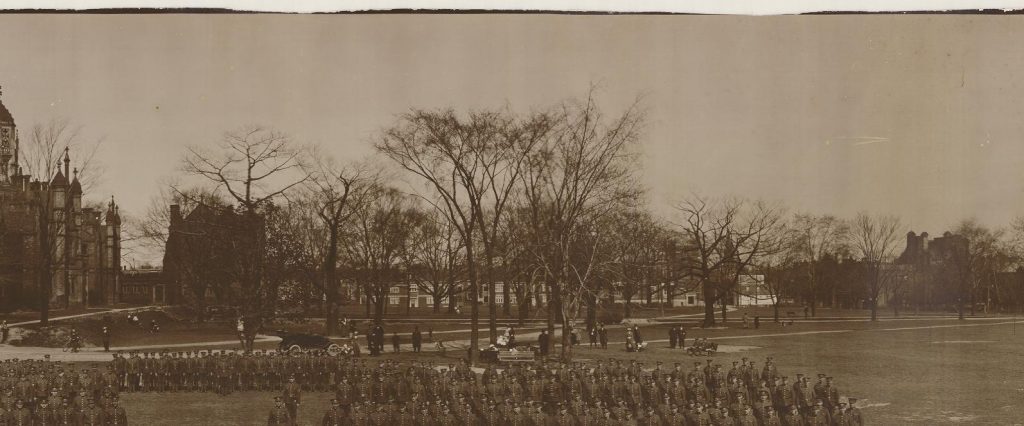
x=47, y=238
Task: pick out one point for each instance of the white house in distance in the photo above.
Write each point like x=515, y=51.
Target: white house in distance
x=753, y=292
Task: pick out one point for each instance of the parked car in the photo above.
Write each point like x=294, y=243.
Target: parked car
x=295, y=343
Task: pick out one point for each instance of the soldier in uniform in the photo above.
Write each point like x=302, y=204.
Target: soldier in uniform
x=840, y=416
x=793, y=417
x=92, y=415
x=292, y=396
x=279, y=414
x=106, y=339
x=856, y=419
x=44, y=415
x=20, y=416
x=66, y=414
x=335, y=415
x=116, y=415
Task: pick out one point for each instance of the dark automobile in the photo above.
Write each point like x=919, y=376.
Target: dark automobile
x=294, y=343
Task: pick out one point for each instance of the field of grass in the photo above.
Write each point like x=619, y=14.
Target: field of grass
x=926, y=371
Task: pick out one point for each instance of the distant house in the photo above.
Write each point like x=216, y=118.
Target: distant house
x=753, y=292
x=144, y=286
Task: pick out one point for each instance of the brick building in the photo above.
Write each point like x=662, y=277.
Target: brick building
x=47, y=235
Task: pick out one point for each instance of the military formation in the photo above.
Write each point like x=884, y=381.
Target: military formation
x=224, y=372
x=373, y=392
x=544, y=393
x=41, y=393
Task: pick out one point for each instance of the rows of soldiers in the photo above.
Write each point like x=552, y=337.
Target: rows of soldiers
x=41, y=392
x=223, y=372
x=545, y=394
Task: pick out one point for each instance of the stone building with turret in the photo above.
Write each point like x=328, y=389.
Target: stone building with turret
x=51, y=246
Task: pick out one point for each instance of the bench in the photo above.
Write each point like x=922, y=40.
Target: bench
x=516, y=356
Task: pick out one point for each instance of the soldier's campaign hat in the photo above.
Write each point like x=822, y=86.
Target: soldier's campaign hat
x=828, y=378
x=277, y=398
x=852, y=400
x=821, y=376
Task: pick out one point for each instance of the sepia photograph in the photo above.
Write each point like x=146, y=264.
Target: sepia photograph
x=512, y=219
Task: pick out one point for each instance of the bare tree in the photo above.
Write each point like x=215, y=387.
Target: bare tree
x=583, y=171
x=251, y=166
x=820, y=236
x=41, y=154
x=333, y=194
x=724, y=237
x=435, y=259
x=984, y=258
x=472, y=163
x=377, y=243
x=874, y=239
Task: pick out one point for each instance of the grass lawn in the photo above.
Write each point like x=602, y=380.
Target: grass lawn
x=927, y=371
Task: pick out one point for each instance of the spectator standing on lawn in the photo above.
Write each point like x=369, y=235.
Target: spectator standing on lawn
x=593, y=336
x=682, y=337
x=396, y=343
x=603, y=336
x=417, y=339
x=5, y=330
x=106, y=339
x=673, y=336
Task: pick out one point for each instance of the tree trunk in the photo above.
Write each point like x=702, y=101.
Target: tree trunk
x=506, y=290
x=330, y=283
x=551, y=315
x=960, y=308
x=812, y=298
x=874, y=306
x=709, y=305
x=378, y=307
x=437, y=302
x=591, y=311
x=725, y=314
x=474, y=297
x=492, y=307
x=45, y=270
x=331, y=318
x=627, y=310
x=524, y=309
x=775, y=311
x=566, y=338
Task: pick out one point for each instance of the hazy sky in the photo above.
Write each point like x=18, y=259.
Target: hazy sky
x=918, y=116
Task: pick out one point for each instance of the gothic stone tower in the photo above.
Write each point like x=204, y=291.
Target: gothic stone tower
x=48, y=239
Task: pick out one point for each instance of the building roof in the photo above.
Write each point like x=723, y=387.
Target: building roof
x=5, y=115
x=59, y=179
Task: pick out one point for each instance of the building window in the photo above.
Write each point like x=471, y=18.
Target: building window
x=691, y=300
x=393, y=300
